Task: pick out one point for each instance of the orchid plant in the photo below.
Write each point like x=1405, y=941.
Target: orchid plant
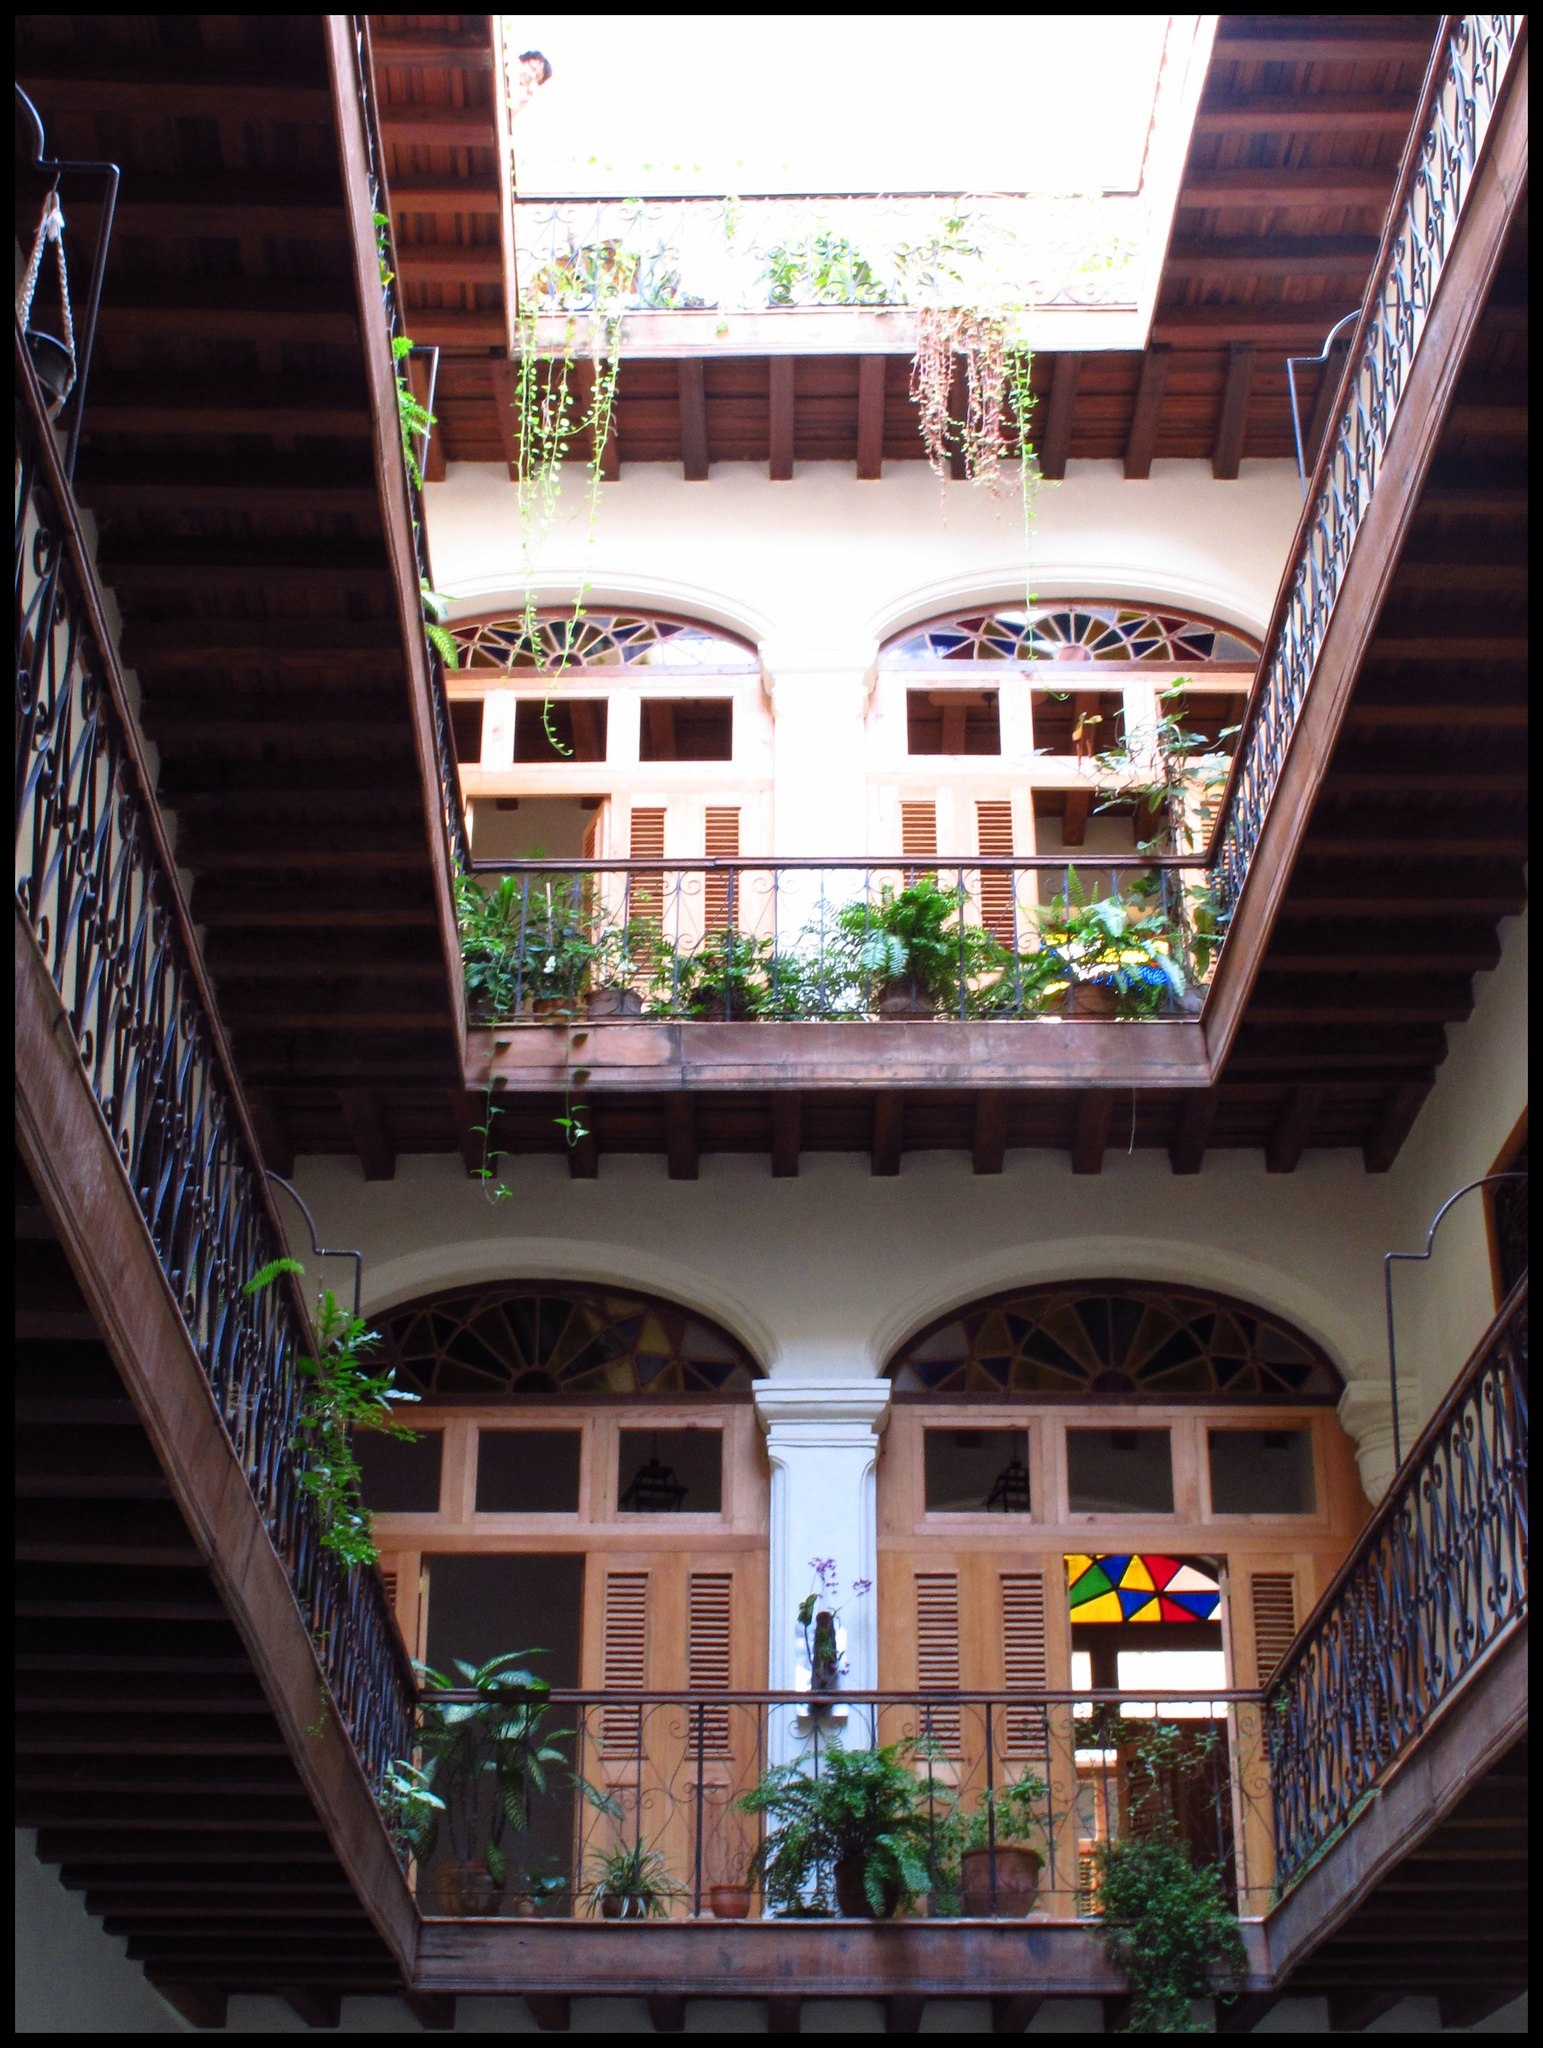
x=819, y=1612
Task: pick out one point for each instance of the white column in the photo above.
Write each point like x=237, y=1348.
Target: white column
x=1366, y=1413
x=823, y=1440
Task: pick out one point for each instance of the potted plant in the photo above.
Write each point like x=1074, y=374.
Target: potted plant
x=915, y=949
x=730, y=1901
x=482, y=1759
x=629, y=1882
x=726, y=980
x=618, y=955
x=819, y=1612
x=998, y=1869
x=1115, y=955
x=856, y=1831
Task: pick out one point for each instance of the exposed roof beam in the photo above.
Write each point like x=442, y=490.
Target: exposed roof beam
x=469, y=1112
x=1057, y=439
x=451, y=263
x=1272, y=256
x=989, y=1147
x=691, y=383
x=1320, y=40
x=1332, y=185
x=443, y=52
x=888, y=1131
x=501, y=378
x=453, y=127
x=1187, y=1152
x=143, y=406
x=1210, y=326
x=1090, y=1135
x=780, y=401
x=1400, y=1108
x=1276, y=113
x=870, y=418
x=443, y=195
x=787, y=1134
x=231, y=310
x=680, y=1138
x=449, y=328
x=1142, y=440
x=1232, y=425
x=1293, y=1128
x=174, y=90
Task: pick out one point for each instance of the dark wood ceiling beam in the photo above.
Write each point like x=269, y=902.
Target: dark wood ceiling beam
x=174, y=91
x=1142, y=440
x=1014, y=2012
x=502, y=384
x=223, y=208
x=552, y=2011
x=1352, y=2012
x=680, y=1137
x=184, y=410
x=433, y=2010
x=988, y=1146
x=414, y=127
x=201, y=483
x=1321, y=40
x=1401, y=1106
x=583, y=1146
x=444, y=195
x=451, y=328
x=666, y=2013
x=1186, y=1154
x=1090, y=1134
x=215, y=566
x=1281, y=190
x=1293, y=1129
x=1056, y=443
x=1272, y=256
x=1353, y=114
x=201, y=2005
x=784, y=2014
x=1301, y=328
x=1469, y=648
x=1074, y=816
x=367, y=1132
x=468, y=263
x=440, y=50
x=870, y=417
x=779, y=412
x=903, y=2013
x=273, y=1135
x=691, y=387
x=786, y=1133
x=231, y=310
x=316, y=2007
x=888, y=1132
x=1241, y=2014
x=1232, y=422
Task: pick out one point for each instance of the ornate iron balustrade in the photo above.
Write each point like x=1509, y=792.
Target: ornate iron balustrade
x=1461, y=96
x=665, y=1772
x=1439, y=1575
x=451, y=807
x=96, y=883
x=899, y=250
x=840, y=940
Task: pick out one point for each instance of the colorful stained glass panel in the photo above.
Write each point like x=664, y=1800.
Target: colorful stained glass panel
x=1141, y=1587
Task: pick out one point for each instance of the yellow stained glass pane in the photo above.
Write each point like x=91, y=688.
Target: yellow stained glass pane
x=1106, y=1607
x=1137, y=1575
x=1076, y=1564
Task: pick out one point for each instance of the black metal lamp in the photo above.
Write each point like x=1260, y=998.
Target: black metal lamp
x=1010, y=1494
x=654, y=1490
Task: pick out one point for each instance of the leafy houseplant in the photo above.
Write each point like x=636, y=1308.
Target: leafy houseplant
x=1114, y=953
x=998, y=1866
x=630, y=1883
x=858, y=1830
x=728, y=978
x=482, y=1760
x=528, y=940
x=818, y=1614
x=823, y=269
x=916, y=947
x=1166, y=1920
x=339, y=1393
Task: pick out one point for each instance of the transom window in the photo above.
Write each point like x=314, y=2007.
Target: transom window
x=527, y=1337
x=561, y=641
x=1121, y=1339
x=1071, y=630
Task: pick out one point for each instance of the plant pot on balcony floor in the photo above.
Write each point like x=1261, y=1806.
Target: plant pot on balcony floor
x=729, y=1901
x=465, y=1891
x=903, y=999
x=614, y=1002
x=1017, y=1882
x=852, y=1901
x=1086, y=999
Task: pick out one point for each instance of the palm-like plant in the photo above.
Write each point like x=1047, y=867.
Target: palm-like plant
x=864, y=1811
x=483, y=1757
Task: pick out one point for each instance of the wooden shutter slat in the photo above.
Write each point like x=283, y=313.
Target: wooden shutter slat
x=1273, y=1598
x=624, y=1659
x=645, y=893
x=721, y=843
x=1024, y=1659
x=994, y=834
x=709, y=1656
x=937, y=1652
x=919, y=829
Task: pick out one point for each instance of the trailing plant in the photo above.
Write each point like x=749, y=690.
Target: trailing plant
x=339, y=1394
x=436, y=613
x=635, y=1880
x=865, y=1808
x=1166, y=1920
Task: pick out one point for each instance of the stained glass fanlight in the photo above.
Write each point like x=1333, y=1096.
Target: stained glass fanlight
x=563, y=641
x=1140, y=1586
x=532, y=1337
x=1073, y=629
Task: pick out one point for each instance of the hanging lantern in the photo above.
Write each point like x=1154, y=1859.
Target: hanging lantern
x=53, y=359
x=1010, y=1494
x=654, y=1491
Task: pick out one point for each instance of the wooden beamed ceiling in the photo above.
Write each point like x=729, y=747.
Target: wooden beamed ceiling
x=1290, y=170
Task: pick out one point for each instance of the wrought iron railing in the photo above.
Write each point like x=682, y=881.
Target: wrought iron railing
x=985, y=937
x=761, y=252
x=96, y=883
x=451, y=805
x=1462, y=92
x=1058, y=1775
x=1437, y=1578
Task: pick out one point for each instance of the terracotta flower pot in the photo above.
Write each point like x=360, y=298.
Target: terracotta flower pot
x=1092, y=999
x=614, y=1002
x=852, y=1901
x=550, y=1008
x=904, y=998
x=1017, y=1882
x=465, y=1891
x=729, y=1901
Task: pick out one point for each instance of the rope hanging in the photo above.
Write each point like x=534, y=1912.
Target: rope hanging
x=50, y=229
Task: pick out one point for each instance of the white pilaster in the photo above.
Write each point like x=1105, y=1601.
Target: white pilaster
x=1366, y=1414
x=823, y=1439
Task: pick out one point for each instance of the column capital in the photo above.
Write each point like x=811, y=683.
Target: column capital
x=1366, y=1415
x=829, y=1411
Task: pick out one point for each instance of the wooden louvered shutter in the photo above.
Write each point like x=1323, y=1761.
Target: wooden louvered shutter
x=994, y=827
x=720, y=905
x=937, y=1652
x=592, y=835
x=645, y=896
x=709, y=1645
x=1273, y=1598
x=624, y=1659
x=919, y=832
x=1024, y=1663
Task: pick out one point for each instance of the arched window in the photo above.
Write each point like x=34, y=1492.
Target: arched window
x=1071, y=630
x=564, y=641
x=1125, y=1340
x=524, y=1338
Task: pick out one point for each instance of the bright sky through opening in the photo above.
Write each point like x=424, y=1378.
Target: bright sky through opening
x=689, y=103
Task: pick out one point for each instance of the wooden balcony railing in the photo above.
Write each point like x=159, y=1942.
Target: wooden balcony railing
x=96, y=888
x=1438, y=1577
